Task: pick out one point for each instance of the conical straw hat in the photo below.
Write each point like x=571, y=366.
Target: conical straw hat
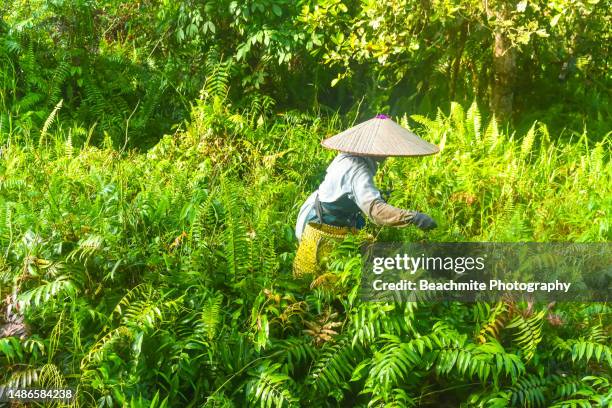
x=380, y=136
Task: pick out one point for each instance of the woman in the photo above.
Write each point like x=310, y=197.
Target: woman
x=348, y=192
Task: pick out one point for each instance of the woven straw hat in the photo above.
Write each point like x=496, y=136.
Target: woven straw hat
x=380, y=136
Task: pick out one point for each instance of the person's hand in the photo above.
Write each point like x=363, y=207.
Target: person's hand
x=423, y=221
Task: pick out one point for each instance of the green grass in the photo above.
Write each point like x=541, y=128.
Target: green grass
x=163, y=278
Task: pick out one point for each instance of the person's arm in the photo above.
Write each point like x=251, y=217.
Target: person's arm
x=369, y=200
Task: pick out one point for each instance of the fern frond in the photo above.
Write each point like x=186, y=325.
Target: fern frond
x=210, y=316
x=55, y=335
x=334, y=365
x=393, y=363
x=97, y=351
x=372, y=319
x=597, y=334
x=270, y=387
x=457, y=117
x=21, y=379
x=528, y=140
x=529, y=391
x=558, y=391
x=59, y=75
x=217, y=76
x=584, y=349
x=145, y=313
x=423, y=120
x=474, y=120
x=49, y=121
x=41, y=294
x=529, y=333
x=495, y=320
x=68, y=148
x=491, y=136
x=236, y=248
x=29, y=101
x=87, y=248
x=492, y=357
x=143, y=290
x=396, y=398
x=51, y=377
x=295, y=351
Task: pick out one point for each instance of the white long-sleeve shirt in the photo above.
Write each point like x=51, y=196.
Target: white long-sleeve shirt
x=348, y=175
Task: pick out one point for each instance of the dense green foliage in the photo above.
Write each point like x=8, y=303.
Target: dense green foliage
x=164, y=278
x=154, y=155
x=133, y=68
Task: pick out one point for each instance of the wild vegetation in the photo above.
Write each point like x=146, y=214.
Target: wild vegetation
x=133, y=68
x=154, y=155
x=166, y=276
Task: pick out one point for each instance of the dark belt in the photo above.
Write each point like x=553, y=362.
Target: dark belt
x=341, y=219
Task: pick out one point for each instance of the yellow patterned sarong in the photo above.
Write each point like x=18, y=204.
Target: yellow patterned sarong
x=318, y=240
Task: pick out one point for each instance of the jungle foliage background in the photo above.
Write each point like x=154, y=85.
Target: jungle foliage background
x=154, y=154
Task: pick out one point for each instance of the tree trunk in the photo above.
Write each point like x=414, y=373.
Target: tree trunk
x=457, y=62
x=504, y=67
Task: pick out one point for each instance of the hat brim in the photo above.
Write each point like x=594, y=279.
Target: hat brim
x=380, y=137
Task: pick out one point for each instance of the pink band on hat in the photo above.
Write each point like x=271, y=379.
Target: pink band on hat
x=381, y=116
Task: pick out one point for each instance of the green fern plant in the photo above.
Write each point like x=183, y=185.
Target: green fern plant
x=210, y=317
x=529, y=332
x=235, y=235
x=270, y=387
x=334, y=365
x=49, y=121
x=61, y=286
x=494, y=319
